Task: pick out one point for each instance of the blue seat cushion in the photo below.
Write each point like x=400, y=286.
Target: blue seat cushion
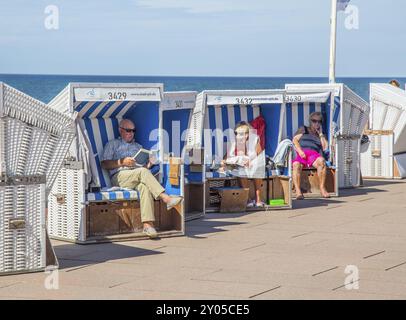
x=216, y=174
x=105, y=195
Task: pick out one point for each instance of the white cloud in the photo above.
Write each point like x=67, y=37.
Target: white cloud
x=205, y=6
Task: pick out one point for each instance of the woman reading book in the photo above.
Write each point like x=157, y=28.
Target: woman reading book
x=247, y=160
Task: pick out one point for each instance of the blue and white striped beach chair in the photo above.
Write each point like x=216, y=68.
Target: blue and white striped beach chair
x=176, y=112
x=345, y=117
x=214, y=120
x=98, y=109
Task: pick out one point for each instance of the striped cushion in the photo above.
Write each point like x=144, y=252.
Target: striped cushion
x=216, y=174
x=113, y=195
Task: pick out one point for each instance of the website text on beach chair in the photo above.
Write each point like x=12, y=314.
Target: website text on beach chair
x=386, y=154
x=177, y=108
x=214, y=118
x=83, y=206
x=345, y=116
x=34, y=140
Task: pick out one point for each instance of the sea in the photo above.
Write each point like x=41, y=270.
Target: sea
x=45, y=87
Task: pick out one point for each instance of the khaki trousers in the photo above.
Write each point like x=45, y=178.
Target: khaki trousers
x=141, y=179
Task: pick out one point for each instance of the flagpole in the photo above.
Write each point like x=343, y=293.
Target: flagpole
x=333, y=39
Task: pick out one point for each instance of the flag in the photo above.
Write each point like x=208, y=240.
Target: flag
x=342, y=4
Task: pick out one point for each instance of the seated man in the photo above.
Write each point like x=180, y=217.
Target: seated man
x=118, y=159
x=310, y=143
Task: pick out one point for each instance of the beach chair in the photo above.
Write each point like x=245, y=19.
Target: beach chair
x=386, y=153
x=215, y=114
x=34, y=140
x=83, y=206
x=345, y=114
x=177, y=108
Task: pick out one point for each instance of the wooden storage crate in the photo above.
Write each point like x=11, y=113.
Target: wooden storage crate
x=105, y=219
x=212, y=195
x=278, y=188
x=310, y=182
x=194, y=200
x=233, y=199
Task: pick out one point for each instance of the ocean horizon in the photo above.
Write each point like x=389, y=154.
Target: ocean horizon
x=45, y=87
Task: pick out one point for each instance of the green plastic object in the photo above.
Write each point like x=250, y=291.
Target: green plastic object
x=276, y=202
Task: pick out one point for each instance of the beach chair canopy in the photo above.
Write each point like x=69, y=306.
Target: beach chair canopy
x=217, y=112
x=34, y=138
x=349, y=113
x=177, y=108
x=300, y=104
x=388, y=112
x=99, y=109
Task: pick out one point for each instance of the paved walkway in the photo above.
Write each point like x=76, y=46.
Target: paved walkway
x=298, y=254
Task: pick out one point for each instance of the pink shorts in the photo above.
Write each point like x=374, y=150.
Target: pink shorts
x=311, y=156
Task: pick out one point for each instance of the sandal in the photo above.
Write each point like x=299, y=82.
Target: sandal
x=300, y=197
x=260, y=204
x=251, y=204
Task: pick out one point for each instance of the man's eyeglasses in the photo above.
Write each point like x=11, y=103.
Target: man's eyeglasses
x=317, y=121
x=128, y=130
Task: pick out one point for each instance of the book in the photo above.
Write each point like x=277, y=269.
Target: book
x=141, y=158
x=237, y=161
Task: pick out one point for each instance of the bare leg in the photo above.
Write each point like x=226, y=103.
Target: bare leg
x=297, y=170
x=244, y=182
x=320, y=165
x=258, y=185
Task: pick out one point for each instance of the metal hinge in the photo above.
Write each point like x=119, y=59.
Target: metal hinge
x=16, y=224
x=376, y=153
x=22, y=180
x=73, y=164
x=348, y=137
x=60, y=198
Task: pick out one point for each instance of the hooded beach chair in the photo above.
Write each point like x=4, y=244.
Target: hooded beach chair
x=34, y=140
x=177, y=109
x=386, y=154
x=83, y=206
x=214, y=118
x=345, y=116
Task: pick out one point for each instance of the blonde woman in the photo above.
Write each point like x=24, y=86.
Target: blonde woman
x=248, y=159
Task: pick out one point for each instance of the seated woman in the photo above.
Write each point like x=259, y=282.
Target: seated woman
x=248, y=160
x=310, y=143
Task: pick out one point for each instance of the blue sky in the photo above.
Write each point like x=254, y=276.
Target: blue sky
x=200, y=37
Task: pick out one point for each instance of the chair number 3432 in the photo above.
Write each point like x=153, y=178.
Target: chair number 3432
x=244, y=100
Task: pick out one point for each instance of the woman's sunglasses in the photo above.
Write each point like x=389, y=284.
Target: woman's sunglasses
x=128, y=130
x=317, y=121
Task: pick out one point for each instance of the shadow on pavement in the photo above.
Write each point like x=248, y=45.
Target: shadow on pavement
x=381, y=182
x=74, y=255
x=208, y=225
x=359, y=191
x=315, y=202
